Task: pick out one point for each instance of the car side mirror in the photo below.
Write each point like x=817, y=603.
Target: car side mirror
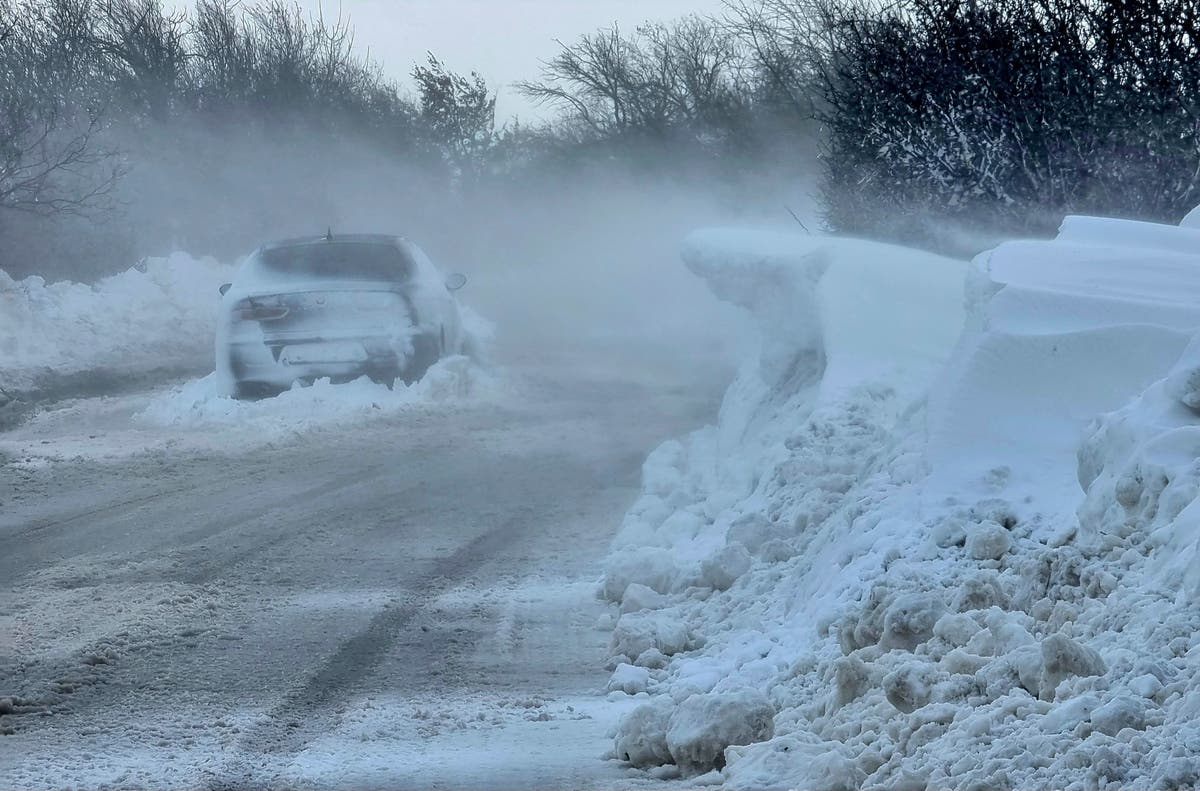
x=455, y=281
x=225, y=287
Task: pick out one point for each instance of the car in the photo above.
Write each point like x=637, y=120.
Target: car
x=336, y=306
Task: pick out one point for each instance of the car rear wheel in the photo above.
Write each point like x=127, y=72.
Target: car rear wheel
x=255, y=391
x=426, y=352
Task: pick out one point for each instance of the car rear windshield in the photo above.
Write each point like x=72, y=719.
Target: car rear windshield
x=354, y=260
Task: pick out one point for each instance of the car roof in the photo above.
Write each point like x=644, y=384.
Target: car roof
x=369, y=238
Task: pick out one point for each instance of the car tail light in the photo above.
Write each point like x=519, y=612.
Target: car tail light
x=260, y=309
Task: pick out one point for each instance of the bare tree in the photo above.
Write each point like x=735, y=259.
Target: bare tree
x=1007, y=114
x=458, y=114
x=51, y=160
x=591, y=80
x=51, y=164
x=224, y=58
x=659, y=82
x=791, y=44
x=145, y=50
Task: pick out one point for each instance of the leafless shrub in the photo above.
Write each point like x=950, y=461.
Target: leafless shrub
x=1009, y=113
x=662, y=83
x=50, y=159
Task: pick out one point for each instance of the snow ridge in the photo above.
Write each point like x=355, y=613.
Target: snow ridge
x=943, y=542
x=159, y=314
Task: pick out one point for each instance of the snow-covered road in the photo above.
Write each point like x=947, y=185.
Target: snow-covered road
x=406, y=600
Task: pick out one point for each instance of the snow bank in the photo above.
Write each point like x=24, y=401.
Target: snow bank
x=204, y=404
x=198, y=418
x=1140, y=466
x=885, y=533
x=1059, y=333
x=160, y=314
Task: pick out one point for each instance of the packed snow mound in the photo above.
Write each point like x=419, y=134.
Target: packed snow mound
x=1140, y=466
x=646, y=633
x=849, y=328
x=704, y=725
x=695, y=733
x=846, y=310
x=160, y=314
x=946, y=521
x=202, y=403
x=1058, y=333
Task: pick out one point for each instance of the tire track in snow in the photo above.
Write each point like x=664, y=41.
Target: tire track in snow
x=15, y=560
x=87, y=669
x=40, y=525
x=213, y=569
x=15, y=564
x=309, y=712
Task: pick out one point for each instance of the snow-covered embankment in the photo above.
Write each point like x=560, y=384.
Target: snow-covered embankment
x=158, y=315
x=922, y=548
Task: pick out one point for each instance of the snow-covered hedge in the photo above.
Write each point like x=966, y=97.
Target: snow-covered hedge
x=161, y=314
x=945, y=547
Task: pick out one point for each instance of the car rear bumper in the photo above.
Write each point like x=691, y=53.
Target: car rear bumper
x=274, y=363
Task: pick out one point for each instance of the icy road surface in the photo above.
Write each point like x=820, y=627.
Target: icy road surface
x=405, y=599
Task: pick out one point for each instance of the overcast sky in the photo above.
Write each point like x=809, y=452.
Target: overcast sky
x=504, y=40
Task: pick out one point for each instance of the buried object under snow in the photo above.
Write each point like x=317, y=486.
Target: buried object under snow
x=337, y=307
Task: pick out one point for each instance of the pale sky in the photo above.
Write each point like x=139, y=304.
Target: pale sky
x=504, y=40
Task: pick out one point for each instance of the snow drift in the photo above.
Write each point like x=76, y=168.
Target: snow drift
x=158, y=315
x=205, y=403
x=937, y=541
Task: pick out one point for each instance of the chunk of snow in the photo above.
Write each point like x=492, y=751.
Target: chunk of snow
x=1063, y=657
x=722, y=568
x=642, y=734
x=652, y=658
x=629, y=679
x=956, y=629
x=639, y=597
x=1068, y=715
x=638, y=632
x=988, y=541
x=1118, y=714
x=909, y=620
x=703, y=725
x=1146, y=685
x=793, y=762
x=651, y=567
x=910, y=687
